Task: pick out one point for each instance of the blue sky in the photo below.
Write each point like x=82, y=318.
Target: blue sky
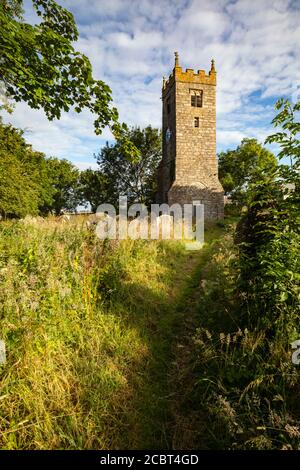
x=131, y=44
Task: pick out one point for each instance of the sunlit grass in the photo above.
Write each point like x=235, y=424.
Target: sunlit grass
x=88, y=326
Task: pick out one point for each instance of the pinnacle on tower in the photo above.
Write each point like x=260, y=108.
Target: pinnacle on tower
x=176, y=59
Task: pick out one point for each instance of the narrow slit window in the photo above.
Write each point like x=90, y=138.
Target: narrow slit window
x=196, y=122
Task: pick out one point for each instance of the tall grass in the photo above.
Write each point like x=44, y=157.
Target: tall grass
x=135, y=344
x=88, y=326
x=241, y=388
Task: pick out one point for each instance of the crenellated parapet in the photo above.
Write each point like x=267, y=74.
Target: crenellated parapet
x=190, y=76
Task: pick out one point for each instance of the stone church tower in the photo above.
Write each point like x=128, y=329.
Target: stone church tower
x=189, y=168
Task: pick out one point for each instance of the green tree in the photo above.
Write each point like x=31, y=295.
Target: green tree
x=93, y=188
x=64, y=180
x=18, y=192
x=24, y=185
x=40, y=66
x=29, y=182
x=136, y=179
x=244, y=166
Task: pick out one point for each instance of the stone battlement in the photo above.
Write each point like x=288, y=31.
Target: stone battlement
x=190, y=76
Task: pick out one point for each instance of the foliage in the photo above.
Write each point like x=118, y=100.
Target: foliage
x=269, y=236
x=239, y=388
x=93, y=188
x=29, y=182
x=244, y=166
x=40, y=66
x=18, y=193
x=269, y=239
x=136, y=179
x=288, y=137
x=23, y=175
x=64, y=179
x=268, y=267
x=244, y=374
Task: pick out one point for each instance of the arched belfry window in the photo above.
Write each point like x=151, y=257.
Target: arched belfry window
x=196, y=98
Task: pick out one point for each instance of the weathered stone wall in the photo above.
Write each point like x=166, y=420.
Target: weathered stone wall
x=166, y=172
x=213, y=200
x=189, y=168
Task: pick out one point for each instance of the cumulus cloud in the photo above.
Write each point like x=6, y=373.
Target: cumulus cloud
x=131, y=44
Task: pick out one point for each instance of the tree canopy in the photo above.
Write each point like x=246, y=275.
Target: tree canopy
x=32, y=184
x=40, y=66
x=93, y=187
x=29, y=182
x=21, y=171
x=246, y=164
x=64, y=179
x=136, y=179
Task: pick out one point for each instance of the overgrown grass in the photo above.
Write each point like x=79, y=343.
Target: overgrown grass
x=240, y=388
x=89, y=328
x=135, y=344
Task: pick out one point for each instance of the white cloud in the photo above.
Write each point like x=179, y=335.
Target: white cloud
x=72, y=137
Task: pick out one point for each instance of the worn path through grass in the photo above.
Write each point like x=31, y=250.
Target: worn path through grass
x=152, y=416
